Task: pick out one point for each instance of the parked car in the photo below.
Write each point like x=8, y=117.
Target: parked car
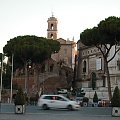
x=57, y=101
x=79, y=100
x=62, y=91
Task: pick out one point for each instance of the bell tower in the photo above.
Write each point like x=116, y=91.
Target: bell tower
x=52, y=28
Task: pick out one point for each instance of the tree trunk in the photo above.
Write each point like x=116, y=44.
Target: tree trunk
x=108, y=79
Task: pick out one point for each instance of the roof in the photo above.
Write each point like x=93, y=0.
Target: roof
x=52, y=18
x=63, y=41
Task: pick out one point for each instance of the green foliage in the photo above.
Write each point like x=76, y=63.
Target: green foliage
x=20, y=98
x=95, y=98
x=34, y=99
x=1, y=57
x=115, y=101
x=37, y=49
x=107, y=32
x=85, y=99
x=7, y=76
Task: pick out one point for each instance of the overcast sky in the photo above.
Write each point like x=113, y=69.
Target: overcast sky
x=29, y=17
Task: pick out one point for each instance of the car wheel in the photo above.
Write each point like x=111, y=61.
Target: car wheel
x=69, y=107
x=45, y=107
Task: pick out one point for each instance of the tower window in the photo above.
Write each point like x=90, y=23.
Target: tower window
x=51, y=35
x=51, y=26
x=88, y=52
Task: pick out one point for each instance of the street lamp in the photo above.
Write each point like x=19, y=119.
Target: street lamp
x=27, y=68
x=1, y=81
x=11, y=79
x=28, y=71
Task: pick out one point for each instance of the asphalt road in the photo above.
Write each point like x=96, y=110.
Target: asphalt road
x=35, y=113
x=56, y=115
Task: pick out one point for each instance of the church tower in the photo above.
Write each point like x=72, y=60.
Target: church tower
x=52, y=28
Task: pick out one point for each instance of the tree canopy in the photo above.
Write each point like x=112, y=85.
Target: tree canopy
x=33, y=48
x=104, y=36
x=106, y=32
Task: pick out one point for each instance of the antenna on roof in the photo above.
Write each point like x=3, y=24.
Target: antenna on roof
x=73, y=38
x=52, y=14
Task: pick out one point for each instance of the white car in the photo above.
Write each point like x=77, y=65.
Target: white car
x=57, y=101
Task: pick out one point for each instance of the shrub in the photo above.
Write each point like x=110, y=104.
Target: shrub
x=85, y=99
x=20, y=97
x=115, y=101
x=34, y=99
x=95, y=98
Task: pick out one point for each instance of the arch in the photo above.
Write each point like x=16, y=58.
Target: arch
x=51, y=35
x=52, y=27
x=84, y=66
x=51, y=67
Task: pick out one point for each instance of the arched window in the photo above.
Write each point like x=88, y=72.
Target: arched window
x=51, y=35
x=84, y=66
x=51, y=68
x=51, y=26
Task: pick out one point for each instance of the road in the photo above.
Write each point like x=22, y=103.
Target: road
x=35, y=113
x=56, y=115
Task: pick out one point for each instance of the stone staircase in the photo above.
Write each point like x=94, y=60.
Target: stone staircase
x=102, y=93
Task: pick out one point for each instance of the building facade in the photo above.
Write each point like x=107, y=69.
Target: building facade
x=90, y=60
x=90, y=73
x=114, y=68
x=90, y=67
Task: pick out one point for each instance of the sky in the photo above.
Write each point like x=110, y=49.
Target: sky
x=29, y=17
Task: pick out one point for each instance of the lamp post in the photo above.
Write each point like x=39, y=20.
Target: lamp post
x=27, y=68
x=28, y=71
x=1, y=82
x=26, y=78
x=11, y=79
